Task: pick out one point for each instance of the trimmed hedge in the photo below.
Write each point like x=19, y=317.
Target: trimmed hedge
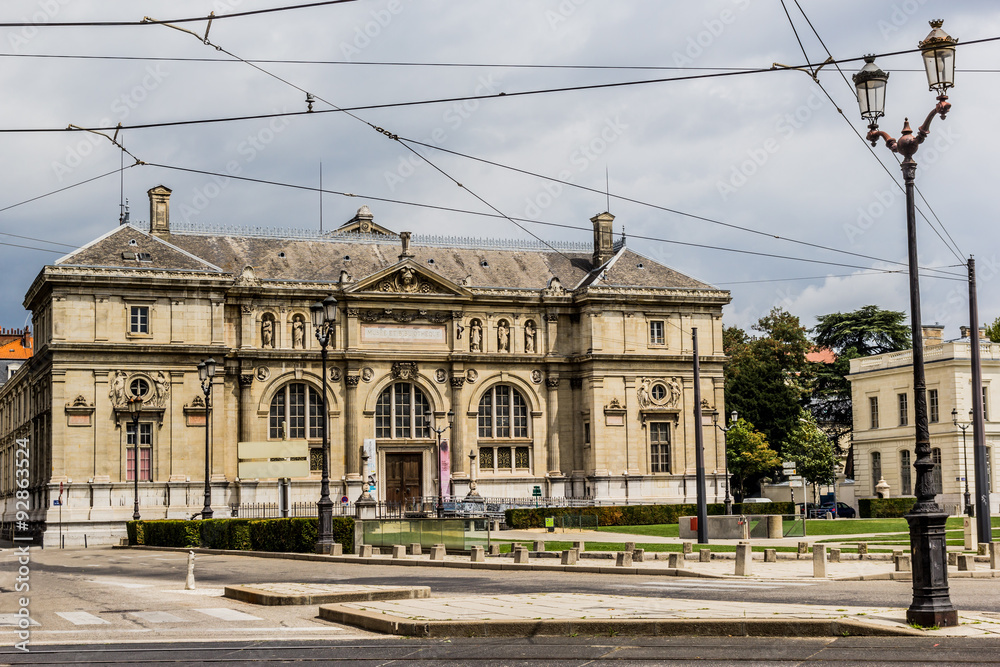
x=635, y=515
x=288, y=535
x=885, y=508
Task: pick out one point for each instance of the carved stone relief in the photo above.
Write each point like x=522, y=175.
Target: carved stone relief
x=263, y=372
x=403, y=370
x=658, y=393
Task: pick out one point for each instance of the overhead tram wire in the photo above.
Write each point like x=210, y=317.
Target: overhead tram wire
x=952, y=246
x=465, y=98
x=213, y=17
x=310, y=188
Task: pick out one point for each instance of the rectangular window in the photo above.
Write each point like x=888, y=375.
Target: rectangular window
x=659, y=446
x=905, y=486
x=586, y=434
x=873, y=409
x=402, y=398
x=904, y=409
x=986, y=409
x=656, y=335
x=932, y=405
x=521, y=458
x=297, y=410
x=876, y=471
x=486, y=459
x=503, y=458
x=277, y=416
x=145, y=452
x=502, y=417
x=485, y=416
x=938, y=474
x=139, y=320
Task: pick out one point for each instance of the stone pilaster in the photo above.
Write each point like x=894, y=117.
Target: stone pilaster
x=352, y=446
x=247, y=412
x=458, y=429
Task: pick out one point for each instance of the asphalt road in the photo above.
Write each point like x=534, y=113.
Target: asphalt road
x=573, y=651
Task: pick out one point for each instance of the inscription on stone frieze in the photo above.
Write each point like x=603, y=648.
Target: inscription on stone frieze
x=397, y=333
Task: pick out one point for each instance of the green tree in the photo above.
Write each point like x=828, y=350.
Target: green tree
x=814, y=456
x=993, y=331
x=766, y=375
x=748, y=456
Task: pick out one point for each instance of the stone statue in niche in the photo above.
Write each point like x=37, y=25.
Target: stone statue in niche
x=117, y=393
x=475, y=336
x=298, y=333
x=503, y=337
x=267, y=332
x=162, y=385
x=529, y=337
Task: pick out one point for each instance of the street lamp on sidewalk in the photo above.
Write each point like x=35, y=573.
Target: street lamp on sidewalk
x=135, y=409
x=439, y=431
x=969, y=507
x=206, y=371
x=733, y=418
x=931, y=604
x=323, y=316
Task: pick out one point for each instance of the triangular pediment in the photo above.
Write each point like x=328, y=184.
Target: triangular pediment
x=408, y=277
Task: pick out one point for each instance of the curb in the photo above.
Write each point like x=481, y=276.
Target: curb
x=254, y=595
x=636, y=627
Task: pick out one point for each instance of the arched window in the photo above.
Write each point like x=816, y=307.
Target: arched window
x=402, y=411
x=503, y=416
x=289, y=409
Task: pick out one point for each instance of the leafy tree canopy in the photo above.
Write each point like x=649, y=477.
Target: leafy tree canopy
x=748, y=455
x=812, y=452
x=993, y=331
x=868, y=330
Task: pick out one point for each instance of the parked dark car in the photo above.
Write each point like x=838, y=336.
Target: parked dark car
x=845, y=511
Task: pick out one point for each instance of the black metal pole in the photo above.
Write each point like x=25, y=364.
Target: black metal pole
x=325, y=504
x=206, y=512
x=699, y=452
x=728, y=501
x=978, y=432
x=438, y=464
x=965, y=456
x=931, y=604
x=135, y=464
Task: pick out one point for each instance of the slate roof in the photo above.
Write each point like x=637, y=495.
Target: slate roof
x=323, y=258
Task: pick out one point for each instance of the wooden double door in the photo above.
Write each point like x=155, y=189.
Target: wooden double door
x=403, y=476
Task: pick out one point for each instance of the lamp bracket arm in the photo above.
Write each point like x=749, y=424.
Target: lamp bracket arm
x=942, y=108
x=874, y=134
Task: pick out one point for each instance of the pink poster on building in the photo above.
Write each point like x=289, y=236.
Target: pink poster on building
x=445, y=466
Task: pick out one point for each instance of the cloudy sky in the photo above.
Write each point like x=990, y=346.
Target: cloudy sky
x=766, y=152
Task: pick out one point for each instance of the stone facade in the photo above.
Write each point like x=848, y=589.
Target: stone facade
x=882, y=395
x=567, y=367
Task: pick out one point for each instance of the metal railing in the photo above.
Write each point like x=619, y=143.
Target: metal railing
x=296, y=510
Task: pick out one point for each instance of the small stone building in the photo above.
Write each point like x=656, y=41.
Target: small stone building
x=567, y=368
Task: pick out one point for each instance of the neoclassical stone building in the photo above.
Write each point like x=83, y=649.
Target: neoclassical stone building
x=567, y=367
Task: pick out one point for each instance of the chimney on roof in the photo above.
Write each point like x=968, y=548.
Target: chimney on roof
x=603, y=243
x=405, y=238
x=159, y=210
x=933, y=334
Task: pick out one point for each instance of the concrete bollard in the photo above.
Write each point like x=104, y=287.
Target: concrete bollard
x=834, y=555
x=775, y=527
x=376, y=551
x=365, y=551
x=803, y=549
x=819, y=561
x=630, y=546
x=862, y=550
x=336, y=549
x=687, y=547
x=514, y=546
x=983, y=549
x=624, y=559
x=770, y=555
x=538, y=545
x=437, y=552
x=569, y=557
x=994, y=556
x=953, y=558
x=399, y=551
x=676, y=560
x=477, y=554
x=902, y=562
x=520, y=555
x=494, y=549
x=580, y=546
x=189, y=582
x=744, y=559
x=966, y=562
x=704, y=555
x=970, y=534
x=415, y=549
x=639, y=555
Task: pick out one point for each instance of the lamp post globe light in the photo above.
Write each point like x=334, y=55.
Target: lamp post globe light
x=323, y=316
x=135, y=409
x=439, y=431
x=969, y=508
x=931, y=604
x=206, y=372
x=733, y=418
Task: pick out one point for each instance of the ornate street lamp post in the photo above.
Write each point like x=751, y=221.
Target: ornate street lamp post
x=439, y=431
x=725, y=452
x=206, y=372
x=969, y=507
x=323, y=316
x=931, y=604
x=134, y=409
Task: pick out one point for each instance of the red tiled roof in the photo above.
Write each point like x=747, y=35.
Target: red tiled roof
x=821, y=354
